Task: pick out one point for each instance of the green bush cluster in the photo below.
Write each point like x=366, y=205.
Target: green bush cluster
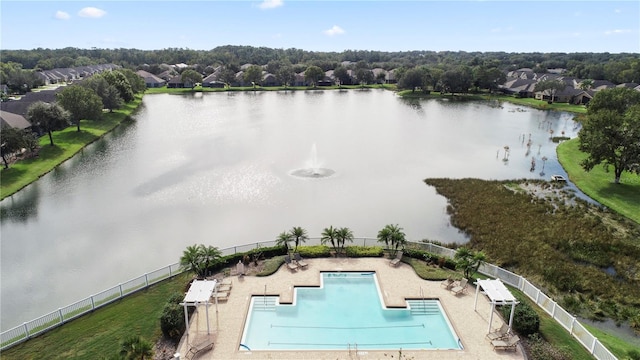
x=525, y=319
x=271, y=265
x=172, y=319
x=364, y=251
x=232, y=260
x=441, y=261
x=316, y=251
x=539, y=349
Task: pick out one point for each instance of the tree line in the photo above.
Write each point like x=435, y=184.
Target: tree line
x=618, y=68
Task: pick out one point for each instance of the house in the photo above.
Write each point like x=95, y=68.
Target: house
x=524, y=73
x=211, y=81
x=269, y=80
x=176, y=82
x=630, y=85
x=12, y=120
x=521, y=87
x=151, y=80
x=567, y=95
x=21, y=106
x=602, y=84
x=58, y=75
x=300, y=80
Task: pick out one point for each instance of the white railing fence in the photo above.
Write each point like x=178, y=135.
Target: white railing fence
x=63, y=315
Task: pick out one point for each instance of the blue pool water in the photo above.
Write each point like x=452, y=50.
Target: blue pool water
x=345, y=311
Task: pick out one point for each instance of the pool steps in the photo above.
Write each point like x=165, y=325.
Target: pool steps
x=423, y=306
x=267, y=303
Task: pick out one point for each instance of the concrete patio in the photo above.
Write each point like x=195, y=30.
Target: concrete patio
x=396, y=283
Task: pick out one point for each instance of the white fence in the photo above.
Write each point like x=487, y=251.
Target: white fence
x=54, y=319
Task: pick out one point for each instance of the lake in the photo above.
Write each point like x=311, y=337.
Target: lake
x=218, y=169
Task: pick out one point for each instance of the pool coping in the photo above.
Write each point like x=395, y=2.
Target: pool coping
x=396, y=285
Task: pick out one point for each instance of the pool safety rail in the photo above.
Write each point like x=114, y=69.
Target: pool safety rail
x=38, y=326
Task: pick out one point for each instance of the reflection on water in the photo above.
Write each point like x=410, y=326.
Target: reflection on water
x=216, y=169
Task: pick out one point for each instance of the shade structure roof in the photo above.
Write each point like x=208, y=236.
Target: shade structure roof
x=200, y=291
x=497, y=292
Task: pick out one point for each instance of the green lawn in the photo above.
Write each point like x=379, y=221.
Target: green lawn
x=599, y=184
x=165, y=90
x=98, y=335
x=618, y=347
x=67, y=143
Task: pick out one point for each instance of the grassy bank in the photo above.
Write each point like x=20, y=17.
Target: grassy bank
x=67, y=143
x=98, y=335
x=529, y=102
x=598, y=184
x=166, y=90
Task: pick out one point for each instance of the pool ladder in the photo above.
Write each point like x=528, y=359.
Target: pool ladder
x=355, y=349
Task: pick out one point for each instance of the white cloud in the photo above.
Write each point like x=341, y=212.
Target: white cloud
x=270, y=4
x=335, y=30
x=91, y=12
x=61, y=15
x=617, y=31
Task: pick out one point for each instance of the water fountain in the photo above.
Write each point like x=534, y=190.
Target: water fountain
x=314, y=167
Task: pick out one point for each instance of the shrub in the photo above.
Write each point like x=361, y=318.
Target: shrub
x=363, y=251
x=540, y=349
x=316, y=251
x=271, y=265
x=634, y=354
x=525, y=320
x=172, y=319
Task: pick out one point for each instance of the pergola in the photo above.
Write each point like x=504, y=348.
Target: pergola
x=200, y=292
x=498, y=294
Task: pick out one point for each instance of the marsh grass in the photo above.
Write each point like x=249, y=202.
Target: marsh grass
x=563, y=249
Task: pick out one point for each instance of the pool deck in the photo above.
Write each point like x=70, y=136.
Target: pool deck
x=396, y=283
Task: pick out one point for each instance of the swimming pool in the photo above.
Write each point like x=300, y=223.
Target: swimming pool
x=346, y=311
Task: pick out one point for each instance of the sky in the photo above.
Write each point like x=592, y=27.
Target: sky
x=485, y=26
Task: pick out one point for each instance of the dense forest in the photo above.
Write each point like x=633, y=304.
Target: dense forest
x=617, y=68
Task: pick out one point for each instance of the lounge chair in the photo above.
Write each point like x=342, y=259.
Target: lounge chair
x=499, y=334
x=509, y=344
x=397, y=259
x=221, y=296
x=447, y=284
x=460, y=287
x=292, y=266
x=303, y=264
x=197, y=349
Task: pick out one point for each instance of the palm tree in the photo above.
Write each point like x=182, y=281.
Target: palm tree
x=283, y=240
x=398, y=237
x=384, y=235
x=209, y=255
x=300, y=236
x=329, y=235
x=468, y=261
x=393, y=237
x=343, y=235
x=191, y=259
x=135, y=348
